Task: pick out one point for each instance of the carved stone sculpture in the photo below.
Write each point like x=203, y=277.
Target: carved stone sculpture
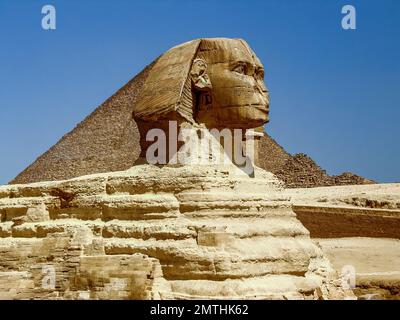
x=175, y=231
x=218, y=82
x=215, y=82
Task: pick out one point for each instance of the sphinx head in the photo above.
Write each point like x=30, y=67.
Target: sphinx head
x=216, y=82
x=213, y=83
x=236, y=96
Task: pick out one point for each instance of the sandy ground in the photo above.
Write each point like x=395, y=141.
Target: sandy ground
x=376, y=263
x=356, y=226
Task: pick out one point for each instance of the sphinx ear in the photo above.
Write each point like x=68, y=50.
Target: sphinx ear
x=200, y=78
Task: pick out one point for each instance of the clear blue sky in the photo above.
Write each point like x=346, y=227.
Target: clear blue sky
x=334, y=93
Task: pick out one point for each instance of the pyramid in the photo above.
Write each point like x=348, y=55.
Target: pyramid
x=300, y=170
x=119, y=148
x=108, y=140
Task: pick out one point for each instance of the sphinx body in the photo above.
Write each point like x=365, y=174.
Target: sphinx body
x=151, y=232
x=171, y=231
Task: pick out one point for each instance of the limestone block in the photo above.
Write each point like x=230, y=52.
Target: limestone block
x=5, y=229
x=37, y=214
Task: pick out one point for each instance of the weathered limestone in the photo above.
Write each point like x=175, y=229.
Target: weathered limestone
x=160, y=232
x=349, y=211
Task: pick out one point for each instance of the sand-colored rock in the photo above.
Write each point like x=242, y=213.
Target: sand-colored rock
x=376, y=263
x=379, y=196
x=210, y=232
x=349, y=211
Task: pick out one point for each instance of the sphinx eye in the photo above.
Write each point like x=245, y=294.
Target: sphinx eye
x=260, y=73
x=240, y=68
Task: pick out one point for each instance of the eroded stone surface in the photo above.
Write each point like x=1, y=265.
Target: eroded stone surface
x=349, y=211
x=159, y=233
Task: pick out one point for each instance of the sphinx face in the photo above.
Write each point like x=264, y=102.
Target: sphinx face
x=239, y=97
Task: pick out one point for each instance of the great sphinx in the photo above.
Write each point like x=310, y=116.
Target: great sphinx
x=172, y=231
x=213, y=82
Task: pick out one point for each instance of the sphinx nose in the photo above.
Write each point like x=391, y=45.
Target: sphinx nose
x=258, y=87
x=263, y=94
